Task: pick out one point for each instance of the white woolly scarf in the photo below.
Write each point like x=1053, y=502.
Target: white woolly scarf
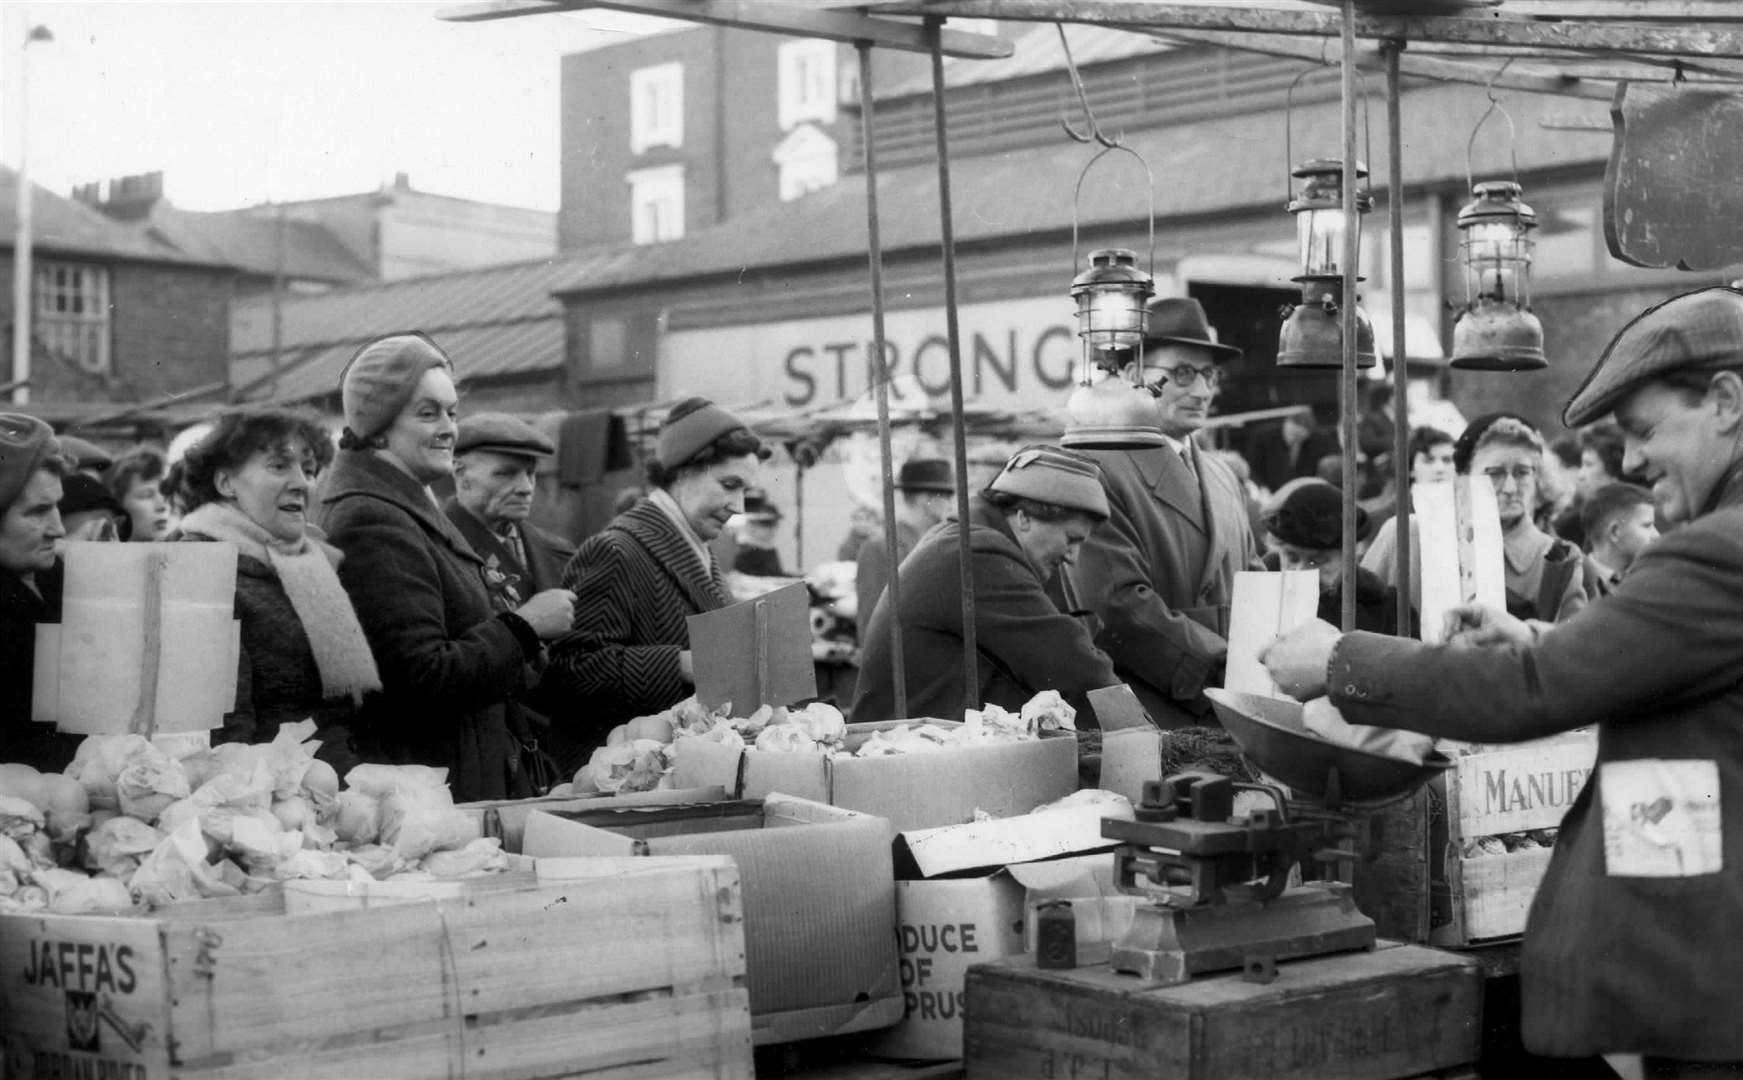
x=305, y=569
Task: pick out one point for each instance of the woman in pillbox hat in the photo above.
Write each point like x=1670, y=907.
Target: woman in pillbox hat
x=1023, y=529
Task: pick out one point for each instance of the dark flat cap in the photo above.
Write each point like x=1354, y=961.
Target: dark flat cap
x=926, y=474
x=502, y=433
x=1698, y=330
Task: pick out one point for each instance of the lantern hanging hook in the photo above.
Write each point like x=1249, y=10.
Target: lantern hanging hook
x=1108, y=145
x=1512, y=132
x=1289, y=125
x=1092, y=131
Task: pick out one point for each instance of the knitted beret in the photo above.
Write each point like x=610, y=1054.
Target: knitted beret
x=683, y=437
x=382, y=377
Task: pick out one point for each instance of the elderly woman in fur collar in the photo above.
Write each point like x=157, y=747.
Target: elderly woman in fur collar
x=303, y=652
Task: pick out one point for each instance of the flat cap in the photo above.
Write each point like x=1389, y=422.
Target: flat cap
x=1698, y=330
x=502, y=433
x=1048, y=474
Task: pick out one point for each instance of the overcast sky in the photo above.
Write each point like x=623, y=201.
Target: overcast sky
x=239, y=102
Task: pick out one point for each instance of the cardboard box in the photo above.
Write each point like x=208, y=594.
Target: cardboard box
x=819, y=899
x=1496, y=791
x=639, y=973
x=947, y=923
x=911, y=791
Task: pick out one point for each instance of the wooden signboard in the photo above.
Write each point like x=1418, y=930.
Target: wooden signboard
x=757, y=652
x=1263, y=605
x=1671, y=196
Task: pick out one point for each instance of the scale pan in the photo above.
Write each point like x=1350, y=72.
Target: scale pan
x=1270, y=731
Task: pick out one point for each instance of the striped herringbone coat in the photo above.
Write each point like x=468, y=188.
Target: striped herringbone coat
x=635, y=583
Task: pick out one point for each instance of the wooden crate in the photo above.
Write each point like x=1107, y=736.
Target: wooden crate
x=1400, y=1010
x=640, y=974
x=1494, y=792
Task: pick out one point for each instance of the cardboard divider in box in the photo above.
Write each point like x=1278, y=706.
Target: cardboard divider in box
x=966, y=894
x=506, y=819
x=634, y=970
x=1498, y=791
x=819, y=898
x=911, y=791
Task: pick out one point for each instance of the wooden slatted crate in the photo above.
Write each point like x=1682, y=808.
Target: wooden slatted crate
x=639, y=973
x=1503, y=791
x=1401, y=1010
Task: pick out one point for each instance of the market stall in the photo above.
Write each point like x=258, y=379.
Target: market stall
x=1186, y=944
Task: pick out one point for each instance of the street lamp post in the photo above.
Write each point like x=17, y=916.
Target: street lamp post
x=21, y=271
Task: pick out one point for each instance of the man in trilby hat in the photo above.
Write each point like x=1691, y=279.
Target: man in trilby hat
x=1632, y=944
x=1159, y=575
x=925, y=495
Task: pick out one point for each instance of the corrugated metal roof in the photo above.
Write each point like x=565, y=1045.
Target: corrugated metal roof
x=251, y=242
x=1037, y=51
x=67, y=226
x=494, y=321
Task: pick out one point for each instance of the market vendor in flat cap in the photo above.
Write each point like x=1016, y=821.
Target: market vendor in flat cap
x=496, y=461
x=639, y=579
x=1027, y=526
x=1635, y=939
x=31, y=470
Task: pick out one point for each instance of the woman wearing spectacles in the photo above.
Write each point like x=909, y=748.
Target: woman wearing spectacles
x=1544, y=579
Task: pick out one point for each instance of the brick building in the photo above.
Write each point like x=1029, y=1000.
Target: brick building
x=119, y=317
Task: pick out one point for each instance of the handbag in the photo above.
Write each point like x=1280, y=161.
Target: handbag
x=538, y=771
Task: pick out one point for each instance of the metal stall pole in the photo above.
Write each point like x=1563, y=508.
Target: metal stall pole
x=1347, y=383
x=880, y=377
x=1400, y=370
x=970, y=676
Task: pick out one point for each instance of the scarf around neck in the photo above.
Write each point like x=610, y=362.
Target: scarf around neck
x=667, y=505
x=306, y=570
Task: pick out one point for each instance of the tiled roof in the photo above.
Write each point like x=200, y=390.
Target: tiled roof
x=1036, y=52
x=250, y=242
x=60, y=225
x=494, y=321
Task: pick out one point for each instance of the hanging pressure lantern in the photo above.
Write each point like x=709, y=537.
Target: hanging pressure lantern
x=1111, y=307
x=1496, y=330
x=1313, y=334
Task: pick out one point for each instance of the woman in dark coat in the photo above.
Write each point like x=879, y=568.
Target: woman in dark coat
x=450, y=670
x=1307, y=528
x=1024, y=529
x=304, y=655
x=639, y=579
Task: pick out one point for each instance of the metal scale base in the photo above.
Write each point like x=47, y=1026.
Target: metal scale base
x=1169, y=945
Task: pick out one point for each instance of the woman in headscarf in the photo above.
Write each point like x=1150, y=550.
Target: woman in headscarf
x=643, y=575
x=450, y=669
x=304, y=654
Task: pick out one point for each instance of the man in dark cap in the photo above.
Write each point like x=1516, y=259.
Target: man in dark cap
x=31, y=468
x=1159, y=576
x=496, y=461
x=1632, y=945
x=925, y=495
